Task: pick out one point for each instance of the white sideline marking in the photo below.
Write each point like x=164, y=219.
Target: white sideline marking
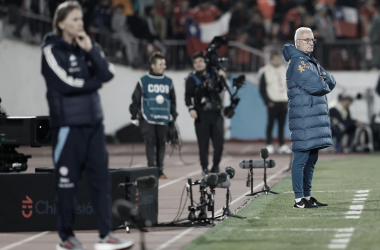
x=354, y=212
x=349, y=229
x=352, y=217
x=24, y=241
x=346, y=230
x=361, y=195
x=343, y=235
x=188, y=175
x=330, y=191
x=341, y=241
x=357, y=207
x=179, y=236
x=360, y=199
x=247, y=149
x=362, y=191
x=337, y=246
x=179, y=179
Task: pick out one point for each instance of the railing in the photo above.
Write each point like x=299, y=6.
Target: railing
x=341, y=55
x=31, y=28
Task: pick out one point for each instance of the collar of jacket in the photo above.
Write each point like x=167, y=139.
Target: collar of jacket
x=290, y=51
x=59, y=42
x=154, y=74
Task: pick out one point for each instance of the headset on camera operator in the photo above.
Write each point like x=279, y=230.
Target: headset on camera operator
x=203, y=98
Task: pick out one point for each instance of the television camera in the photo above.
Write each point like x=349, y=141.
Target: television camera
x=15, y=131
x=213, y=62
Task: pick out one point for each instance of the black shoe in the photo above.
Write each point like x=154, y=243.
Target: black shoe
x=315, y=202
x=204, y=172
x=214, y=170
x=303, y=203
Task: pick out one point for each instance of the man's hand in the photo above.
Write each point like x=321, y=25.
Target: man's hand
x=323, y=75
x=135, y=122
x=270, y=104
x=193, y=114
x=222, y=73
x=84, y=41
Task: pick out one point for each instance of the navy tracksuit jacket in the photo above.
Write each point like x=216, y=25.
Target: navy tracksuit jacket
x=73, y=77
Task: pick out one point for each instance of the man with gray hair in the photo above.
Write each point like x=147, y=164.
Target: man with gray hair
x=309, y=123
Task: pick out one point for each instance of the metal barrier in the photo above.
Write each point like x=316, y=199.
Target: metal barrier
x=340, y=55
x=31, y=28
x=25, y=25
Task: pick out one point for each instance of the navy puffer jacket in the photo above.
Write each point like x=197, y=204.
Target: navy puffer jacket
x=309, y=121
x=73, y=78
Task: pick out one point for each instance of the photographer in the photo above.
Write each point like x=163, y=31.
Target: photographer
x=202, y=97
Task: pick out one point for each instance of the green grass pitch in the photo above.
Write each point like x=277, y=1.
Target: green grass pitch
x=272, y=223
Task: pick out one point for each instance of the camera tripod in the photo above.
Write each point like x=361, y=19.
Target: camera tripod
x=206, y=203
x=226, y=210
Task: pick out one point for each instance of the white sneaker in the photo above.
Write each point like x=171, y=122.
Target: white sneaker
x=284, y=149
x=270, y=148
x=112, y=242
x=71, y=243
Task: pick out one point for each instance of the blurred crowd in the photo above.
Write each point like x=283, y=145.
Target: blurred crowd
x=256, y=23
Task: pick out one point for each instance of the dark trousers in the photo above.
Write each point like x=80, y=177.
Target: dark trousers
x=210, y=125
x=154, y=137
x=77, y=149
x=278, y=112
x=338, y=134
x=302, y=172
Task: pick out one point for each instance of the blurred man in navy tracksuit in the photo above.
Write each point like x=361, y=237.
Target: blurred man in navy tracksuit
x=74, y=69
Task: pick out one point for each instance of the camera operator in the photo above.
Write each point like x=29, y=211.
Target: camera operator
x=203, y=98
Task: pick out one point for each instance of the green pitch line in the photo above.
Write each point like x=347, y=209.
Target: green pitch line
x=272, y=223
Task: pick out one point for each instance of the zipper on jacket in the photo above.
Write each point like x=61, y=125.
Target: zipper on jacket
x=311, y=100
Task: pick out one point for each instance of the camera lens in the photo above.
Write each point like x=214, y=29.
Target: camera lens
x=43, y=132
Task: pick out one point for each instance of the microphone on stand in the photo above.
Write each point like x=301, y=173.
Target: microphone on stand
x=222, y=177
x=264, y=153
x=246, y=164
x=143, y=182
x=230, y=171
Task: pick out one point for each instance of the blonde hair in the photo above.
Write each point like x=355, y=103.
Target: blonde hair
x=61, y=13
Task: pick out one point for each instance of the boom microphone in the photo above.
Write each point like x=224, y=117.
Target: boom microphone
x=230, y=171
x=225, y=184
x=143, y=182
x=264, y=153
x=222, y=177
x=125, y=210
x=246, y=164
x=209, y=180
